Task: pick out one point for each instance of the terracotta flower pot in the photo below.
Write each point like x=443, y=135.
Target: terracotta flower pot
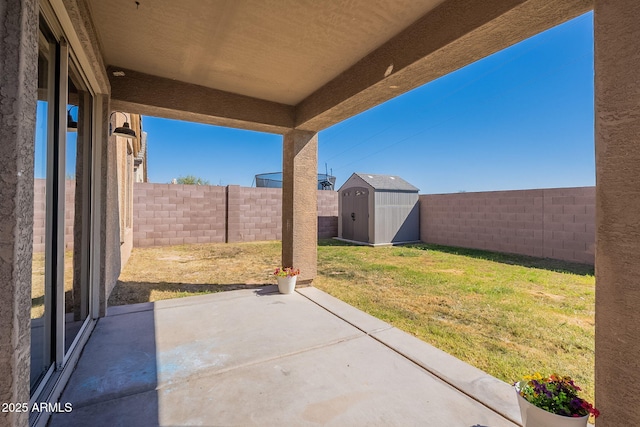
x=532, y=416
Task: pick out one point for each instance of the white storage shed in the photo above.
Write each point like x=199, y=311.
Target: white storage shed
x=378, y=210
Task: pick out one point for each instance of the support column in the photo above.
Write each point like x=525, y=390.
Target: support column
x=617, y=137
x=300, y=203
x=18, y=96
x=110, y=261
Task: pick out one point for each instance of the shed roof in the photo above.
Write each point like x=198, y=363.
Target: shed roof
x=386, y=182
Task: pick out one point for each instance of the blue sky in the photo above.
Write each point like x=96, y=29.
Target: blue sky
x=521, y=118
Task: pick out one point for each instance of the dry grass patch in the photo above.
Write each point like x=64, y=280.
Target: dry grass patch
x=158, y=273
x=38, y=282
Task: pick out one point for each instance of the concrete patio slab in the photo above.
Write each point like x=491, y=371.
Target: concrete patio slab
x=479, y=385
x=493, y=393
x=361, y=320
x=258, y=358
x=143, y=350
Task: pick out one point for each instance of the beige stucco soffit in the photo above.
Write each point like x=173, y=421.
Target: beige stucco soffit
x=454, y=34
x=75, y=18
x=141, y=93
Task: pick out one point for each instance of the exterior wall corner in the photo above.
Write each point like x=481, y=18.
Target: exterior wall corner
x=18, y=98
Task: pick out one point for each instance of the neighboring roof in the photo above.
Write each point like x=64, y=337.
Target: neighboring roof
x=386, y=182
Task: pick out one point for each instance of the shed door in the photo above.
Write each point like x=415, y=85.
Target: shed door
x=355, y=214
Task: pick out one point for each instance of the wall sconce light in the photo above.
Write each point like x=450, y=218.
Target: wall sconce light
x=124, y=131
x=72, y=125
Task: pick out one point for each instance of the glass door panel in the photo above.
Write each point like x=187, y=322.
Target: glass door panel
x=76, y=202
x=41, y=298
x=60, y=285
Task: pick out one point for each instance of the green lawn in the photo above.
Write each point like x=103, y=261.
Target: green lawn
x=508, y=315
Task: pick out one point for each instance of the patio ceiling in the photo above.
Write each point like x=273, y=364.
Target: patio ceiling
x=285, y=64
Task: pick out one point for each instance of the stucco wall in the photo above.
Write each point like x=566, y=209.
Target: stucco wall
x=110, y=215
x=617, y=132
x=552, y=223
x=18, y=80
x=174, y=214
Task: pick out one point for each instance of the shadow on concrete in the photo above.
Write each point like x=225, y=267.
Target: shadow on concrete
x=266, y=291
x=118, y=367
x=130, y=292
x=511, y=259
x=234, y=358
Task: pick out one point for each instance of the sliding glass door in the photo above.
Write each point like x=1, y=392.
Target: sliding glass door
x=61, y=285
x=76, y=209
x=41, y=284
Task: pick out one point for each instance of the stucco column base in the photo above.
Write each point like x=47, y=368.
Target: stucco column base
x=617, y=122
x=300, y=203
x=18, y=96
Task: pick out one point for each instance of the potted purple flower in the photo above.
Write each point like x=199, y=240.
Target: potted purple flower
x=286, y=279
x=552, y=401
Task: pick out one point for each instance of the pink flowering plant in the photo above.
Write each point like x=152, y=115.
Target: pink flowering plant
x=286, y=272
x=555, y=394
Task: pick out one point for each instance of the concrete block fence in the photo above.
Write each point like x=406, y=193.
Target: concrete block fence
x=40, y=213
x=554, y=223
x=173, y=214
x=167, y=214
x=254, y=214
x=327, y=214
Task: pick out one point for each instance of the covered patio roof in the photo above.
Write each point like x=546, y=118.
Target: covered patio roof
x=282, y=74
x=275, y=66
